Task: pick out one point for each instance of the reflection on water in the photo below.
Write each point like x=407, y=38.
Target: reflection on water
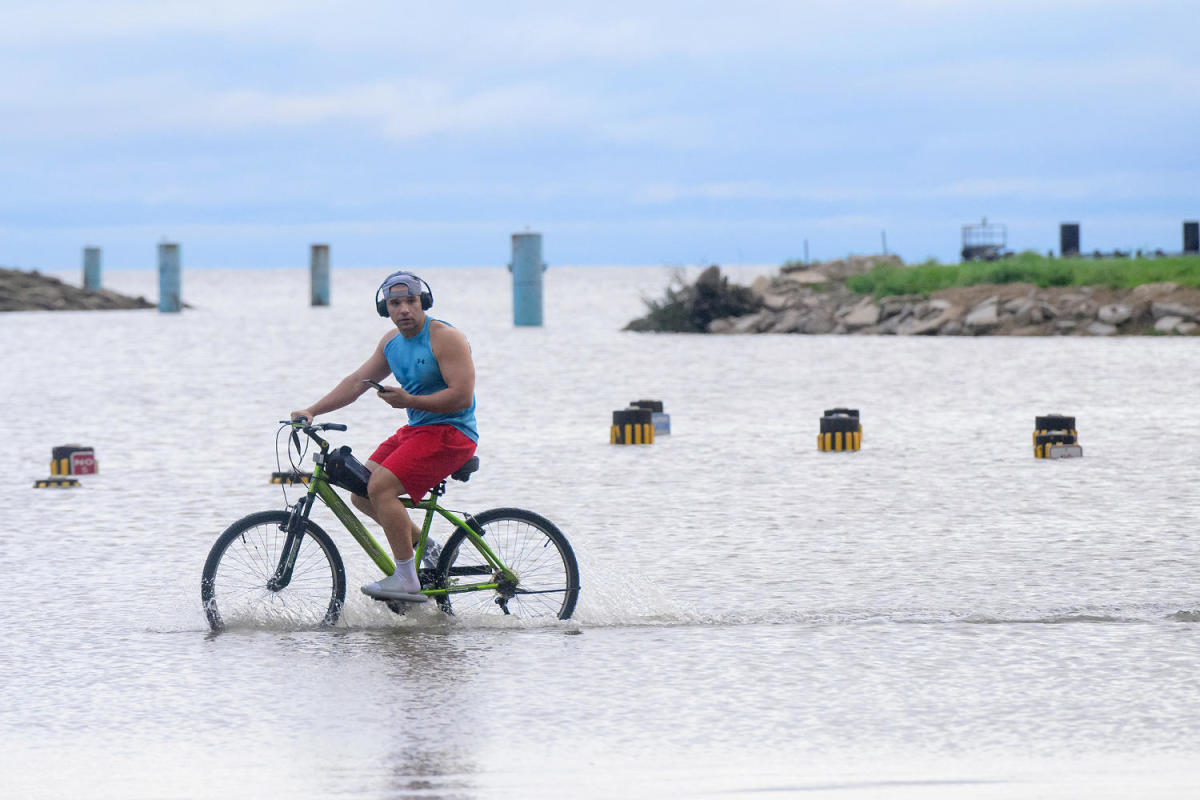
x=939, y=611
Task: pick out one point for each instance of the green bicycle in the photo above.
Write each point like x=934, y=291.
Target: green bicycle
x=281, y=566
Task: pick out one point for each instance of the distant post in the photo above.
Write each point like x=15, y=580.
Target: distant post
x=1068, y=239
x=1191, y=237
x=91, y=268
x=319, y=271
x=168, y=277
x=527, y=269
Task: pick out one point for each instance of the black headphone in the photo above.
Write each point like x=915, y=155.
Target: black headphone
x=381, y=301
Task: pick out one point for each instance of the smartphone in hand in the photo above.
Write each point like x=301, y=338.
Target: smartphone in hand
x=378, y=386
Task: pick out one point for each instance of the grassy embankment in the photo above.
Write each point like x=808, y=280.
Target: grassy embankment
x=1028, y=267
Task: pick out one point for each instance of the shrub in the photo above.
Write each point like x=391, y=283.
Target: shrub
x=1028, y=267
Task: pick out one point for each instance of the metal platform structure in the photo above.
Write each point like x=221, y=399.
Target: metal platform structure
x=984, y=242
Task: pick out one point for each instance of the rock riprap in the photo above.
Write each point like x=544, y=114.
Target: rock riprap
x=816, y=300
x=32, y=291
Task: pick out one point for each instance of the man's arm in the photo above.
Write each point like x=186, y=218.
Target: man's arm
x=453, y=355
x=351, y=387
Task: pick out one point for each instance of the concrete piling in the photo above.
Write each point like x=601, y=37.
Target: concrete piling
x=527, y=269
x=169, y=280
x=91, y=268
x=319, y=273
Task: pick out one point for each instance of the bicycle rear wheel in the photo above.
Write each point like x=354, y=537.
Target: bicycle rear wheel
x=528, y=544
x=236, y=586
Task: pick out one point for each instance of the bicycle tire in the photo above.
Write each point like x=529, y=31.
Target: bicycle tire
x=548, y=577
x=233, y=587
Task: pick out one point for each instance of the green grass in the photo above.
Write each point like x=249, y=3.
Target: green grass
x=1028, y=267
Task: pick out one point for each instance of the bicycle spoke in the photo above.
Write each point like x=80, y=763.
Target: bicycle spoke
x=242, y=568
x=528, y=545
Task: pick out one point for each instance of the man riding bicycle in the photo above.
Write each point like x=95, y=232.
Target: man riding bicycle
x=432, y=362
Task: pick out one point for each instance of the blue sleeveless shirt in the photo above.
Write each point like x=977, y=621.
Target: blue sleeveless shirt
x=417, y=370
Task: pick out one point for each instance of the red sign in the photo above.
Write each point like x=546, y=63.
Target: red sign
x=83, y=462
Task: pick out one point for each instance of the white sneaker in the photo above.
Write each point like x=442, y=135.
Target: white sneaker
x=393, y=587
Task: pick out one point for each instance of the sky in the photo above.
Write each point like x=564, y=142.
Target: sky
x=657, y=133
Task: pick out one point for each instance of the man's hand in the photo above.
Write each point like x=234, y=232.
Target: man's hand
x=397, y=397
x=304, y=414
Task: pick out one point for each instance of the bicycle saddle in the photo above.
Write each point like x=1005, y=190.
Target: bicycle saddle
x=463, y=473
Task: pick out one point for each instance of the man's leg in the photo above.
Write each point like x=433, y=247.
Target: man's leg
x=383, y=491
x=365, y=505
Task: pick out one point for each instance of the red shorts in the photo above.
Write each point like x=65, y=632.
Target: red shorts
x=422, y=456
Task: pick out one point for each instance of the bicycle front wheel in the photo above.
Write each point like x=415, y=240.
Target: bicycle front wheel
x=241, y=584
x=529, y=545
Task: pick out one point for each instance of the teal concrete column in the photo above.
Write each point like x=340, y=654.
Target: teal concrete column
x=319, y=272
x=527, y=269
x=91, y=268
x=168, y=277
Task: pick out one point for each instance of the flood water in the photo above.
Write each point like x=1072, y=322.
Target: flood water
x=937, y=615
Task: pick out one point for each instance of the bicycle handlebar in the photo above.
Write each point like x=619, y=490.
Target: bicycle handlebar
x=308, y=428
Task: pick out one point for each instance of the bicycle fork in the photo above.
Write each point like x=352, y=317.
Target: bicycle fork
x=291, y=545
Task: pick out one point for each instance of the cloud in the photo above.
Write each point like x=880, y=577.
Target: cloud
x=33, y=23
x=615, y=72
x=666, y=193
x=1008, y=85
x=697, y=114
x=1126, y=185
x=623, y=31
x=399, y=111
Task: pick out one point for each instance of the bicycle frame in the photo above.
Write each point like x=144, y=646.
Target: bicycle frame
x=319, y=487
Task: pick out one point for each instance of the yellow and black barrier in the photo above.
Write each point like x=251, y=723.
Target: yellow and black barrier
x=72, y=459
x=632, y=426
x=67, y=460
x=1053, y=423
x=1044, y=444
x=841, y=431
x=290, y=477
x=1054, y=436
x=56, y=483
